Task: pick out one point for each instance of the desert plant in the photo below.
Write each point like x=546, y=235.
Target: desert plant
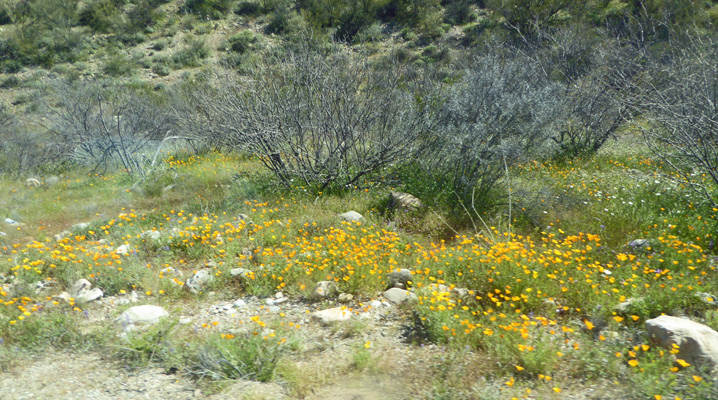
x=100, y=124
x=322, y=120
x=678, y=101
x=500, y=111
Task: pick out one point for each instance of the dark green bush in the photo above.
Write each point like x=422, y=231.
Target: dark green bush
x=458, y=12
x=192, y=55
x=119, y=65
x=243, y=41
x=214, y=9
x=101, y=15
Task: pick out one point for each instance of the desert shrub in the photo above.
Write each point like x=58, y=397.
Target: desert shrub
x=502, y=110
x=458, y=12
x=528, y=19
x=322, y=120
x=119, y=65
x=192, y=54
x=102, y=125
x=101, y=15
x=214, y=9
x=22, y=151
x=677, y=100
x=243, y=41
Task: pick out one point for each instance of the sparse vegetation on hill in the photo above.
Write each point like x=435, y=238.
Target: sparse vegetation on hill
x=199, y=158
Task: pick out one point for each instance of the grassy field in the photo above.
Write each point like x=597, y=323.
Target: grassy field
x=534, y=290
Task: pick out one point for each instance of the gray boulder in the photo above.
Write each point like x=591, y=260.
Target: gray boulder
x=404, y=200
x=145, y=314
x=325, y=289
x=83, y=293
x=350, y=216
x=200, y=278
x=398, y=296
x=332, y=315
x=399, y=279
x=698, y=344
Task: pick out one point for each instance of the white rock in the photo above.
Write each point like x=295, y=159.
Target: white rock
x=172, y=271
x=269, y=302
x=404, y=200
x=239, y=303
x=345, y=298
x=398, y=296
x=375, y=304
x=152, y=235
x=122, y=250
x=350, y=216
x=79, y=286
x=199, y=279
x=325, y=289
x=240, y=272
x=87, y=296
x=331, y=315
x=62, y=235
x=80, y=226
x=698, y=344
x=10, y=221
x=145, y=314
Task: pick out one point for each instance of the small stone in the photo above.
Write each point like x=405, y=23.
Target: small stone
x=281, y=300
x=332, y=315
x=460, y=293
x=269, y=302
x=87, y=296
x=239, y=303
x=278, y=295
x=240, y=272
x=345, y=298
x=10, y=221
x=79, y=286
x=80, y=226
x=123, y=250
x=199, y=279
x=398, y=296
x=707, y=298
x=350, y=216
x=325, y=289
x=403, y=200
x=145, y=314
x=640, y=244
x=245, y=218
x=627, y=306
x=152, y=235
x=185, y=320
x=399, y=278
x=172, y=271
x=375, y=304
x=273, y=309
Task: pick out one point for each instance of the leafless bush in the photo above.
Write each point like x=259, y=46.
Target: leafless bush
x=101, y=125
x=678, y=101
x=325, y=120
x=22, y=151
x=502, y=110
